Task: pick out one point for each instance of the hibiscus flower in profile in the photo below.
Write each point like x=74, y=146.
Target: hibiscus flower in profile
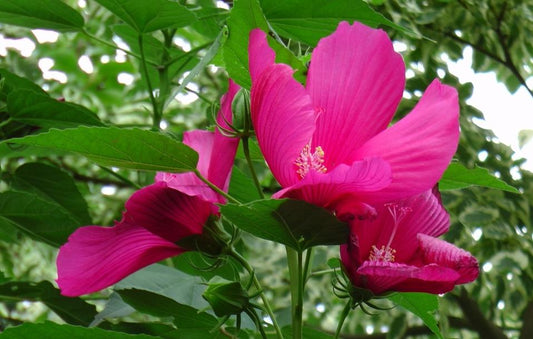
x=398, y=249
x=329, y=143
x=176, y=206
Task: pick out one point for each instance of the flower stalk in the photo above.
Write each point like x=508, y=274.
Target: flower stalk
x=294, y=260
x=235, y=255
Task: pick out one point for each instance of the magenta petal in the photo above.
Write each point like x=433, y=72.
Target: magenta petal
x=447, y=255
x=356, y=81
x=283, y=119
x=324, y=189
x=386, y=276
x=426, y=215
x=188, y=183
x=167, y=212
x=420, y=146
x=97, y=257
x=260, y=54
x=224, y=148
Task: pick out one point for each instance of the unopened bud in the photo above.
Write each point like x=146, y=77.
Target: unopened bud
x=240, y=107
x=227, y=298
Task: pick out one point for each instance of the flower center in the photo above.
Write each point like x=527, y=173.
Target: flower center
x=383, y=254
x=386, y=252
x=310, y=161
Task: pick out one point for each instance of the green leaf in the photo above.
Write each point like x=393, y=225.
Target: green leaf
x=52, y=330
x=169, y=282
x=148, y=16
x=245, y=16
x=423, y=305
x=54, y=185
x=10, y=82
x=294, y=223
x=457, y=176
x=161, y=306
x=126, y=148
x=115, y=307
x=72, y=310
x=334, y=263
x=46, y=14
x=242, y=187
x=31, y=108
x=318, y=18
x=42, y=220
x=524, y=137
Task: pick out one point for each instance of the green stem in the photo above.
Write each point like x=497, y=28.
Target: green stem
x=294, y=260
x=308, y=259
x=257, y=285
x=157, y=114
x=344, y=315
x=215, y=188
x=5, y=122
x=120, y=177
x=103, y=42
x=164, y=82
x=246, y=149
x=322, y=272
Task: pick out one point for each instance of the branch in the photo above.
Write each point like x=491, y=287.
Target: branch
x=527, y=324
x=483, y=326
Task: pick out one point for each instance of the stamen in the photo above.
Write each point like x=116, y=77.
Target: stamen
x=383, y=254
x=386, y=253
x=310, y=161
x=398, y=213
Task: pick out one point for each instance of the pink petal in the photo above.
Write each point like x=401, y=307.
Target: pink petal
x=381, y=277
x=283, y=119
x=166, y=212
x=216, y=153
x=188, y=183
x=447, y=255
x=397, y=224
x=420, y=146
x=260, y=54
x=327, y=189
x=356, y=81
x=97, y=257
x=224, y=148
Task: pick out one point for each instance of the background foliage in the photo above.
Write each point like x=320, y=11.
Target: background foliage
x=189, y=48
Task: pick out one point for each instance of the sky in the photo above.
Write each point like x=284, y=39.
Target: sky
x=506, y=114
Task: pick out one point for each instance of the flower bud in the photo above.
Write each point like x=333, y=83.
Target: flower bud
x=240, y=106
x=227, y=298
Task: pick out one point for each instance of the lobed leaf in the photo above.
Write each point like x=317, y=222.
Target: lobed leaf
x=72, y=310
x=52, y=330
x=148, y=16
x=318, y=18
x=111, y=146
x=45, y=14
x=31, y=108
x=293, y=223
x=423, y=305
x=53, y=185
x=457, y=176
x=41, y=219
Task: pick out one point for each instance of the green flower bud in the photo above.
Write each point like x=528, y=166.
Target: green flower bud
x=227, y=298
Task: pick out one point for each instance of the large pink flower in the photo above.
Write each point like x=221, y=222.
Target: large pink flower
x=157, y=216
x=329, y=142
x=398, y=249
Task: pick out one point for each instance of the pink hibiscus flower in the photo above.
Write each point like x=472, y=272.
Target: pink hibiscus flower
x=156, y=217
x=398, y=249
x=329, y=143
